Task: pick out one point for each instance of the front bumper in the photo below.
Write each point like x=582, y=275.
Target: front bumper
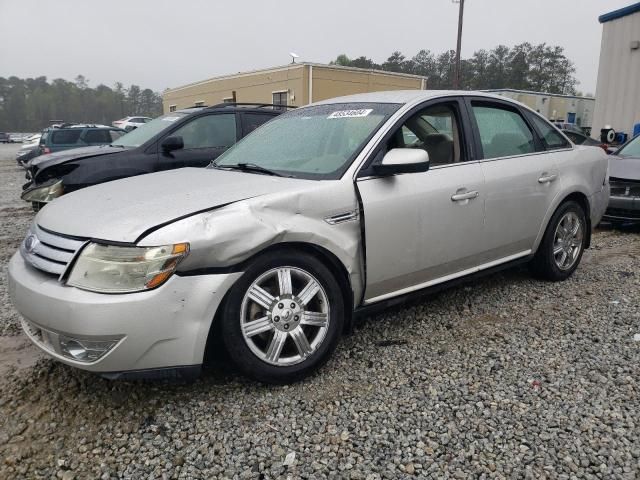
x=623, y=209
x=158, y=329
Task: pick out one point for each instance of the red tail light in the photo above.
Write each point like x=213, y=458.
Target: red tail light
x=47, y=150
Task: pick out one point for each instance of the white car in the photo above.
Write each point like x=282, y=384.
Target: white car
x=322, y=214
x=130, y=123
x=35, y=138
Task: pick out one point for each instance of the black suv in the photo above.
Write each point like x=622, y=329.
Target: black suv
x=191, y=137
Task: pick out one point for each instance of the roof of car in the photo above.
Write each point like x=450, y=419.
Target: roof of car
x=403, y=96
x=262, y=107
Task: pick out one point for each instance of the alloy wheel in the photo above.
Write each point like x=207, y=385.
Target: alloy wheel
x=284, y=316
x=567, y=240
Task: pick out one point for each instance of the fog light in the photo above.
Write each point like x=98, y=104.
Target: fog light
x=85, y=350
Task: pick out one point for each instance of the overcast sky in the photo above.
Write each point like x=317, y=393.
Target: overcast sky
x=160, y=44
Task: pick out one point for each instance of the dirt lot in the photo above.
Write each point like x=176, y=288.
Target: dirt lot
x=506, y=377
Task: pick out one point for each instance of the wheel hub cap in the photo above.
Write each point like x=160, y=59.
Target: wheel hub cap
x=287, y=317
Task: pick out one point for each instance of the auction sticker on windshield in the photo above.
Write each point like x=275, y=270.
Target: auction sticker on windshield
x=363, y=112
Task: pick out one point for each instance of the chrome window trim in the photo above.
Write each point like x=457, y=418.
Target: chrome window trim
x=435, y=167
x=543, y=152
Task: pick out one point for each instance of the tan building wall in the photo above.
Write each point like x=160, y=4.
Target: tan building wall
x=303, y=83
x=330, y=82
x=249, y=87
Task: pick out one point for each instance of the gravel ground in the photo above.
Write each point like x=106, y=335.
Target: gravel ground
x=506, y=377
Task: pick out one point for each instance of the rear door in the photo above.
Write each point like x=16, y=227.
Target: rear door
x=521, y=175
x=422, y=227
x=205, y=138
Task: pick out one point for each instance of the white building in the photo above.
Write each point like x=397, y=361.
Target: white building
x=557, y=108
x=618, y=89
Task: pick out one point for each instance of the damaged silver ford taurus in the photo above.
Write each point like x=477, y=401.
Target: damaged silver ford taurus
x=321, y=214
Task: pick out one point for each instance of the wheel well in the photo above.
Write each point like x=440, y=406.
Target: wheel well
x=332, y=262
x=583, y=201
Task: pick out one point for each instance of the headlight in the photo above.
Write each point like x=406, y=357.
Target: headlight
x=115, y=269
x=44, y=193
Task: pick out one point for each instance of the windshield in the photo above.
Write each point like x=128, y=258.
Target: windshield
x=145, y=132
x=317, y=142
x=631, y=149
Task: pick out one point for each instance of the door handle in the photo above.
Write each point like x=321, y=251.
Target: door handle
x=547, y=178
x=460, y=197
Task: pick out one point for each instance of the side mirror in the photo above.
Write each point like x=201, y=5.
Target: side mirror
x=403, y=160
x=170, y=144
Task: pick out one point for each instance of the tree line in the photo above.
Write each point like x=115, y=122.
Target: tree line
x=542, y=68
x=29, y=104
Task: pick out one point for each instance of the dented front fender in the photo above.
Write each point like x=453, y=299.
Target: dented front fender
x=325, y=215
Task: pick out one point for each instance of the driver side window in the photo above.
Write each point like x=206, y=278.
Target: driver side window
x=434, y=129
x=209, y=131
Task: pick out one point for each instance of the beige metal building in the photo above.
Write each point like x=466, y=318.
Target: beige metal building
x=555, y=107
x=295, y=84
x=618, y=89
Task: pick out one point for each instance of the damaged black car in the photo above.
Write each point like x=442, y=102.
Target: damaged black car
x=192, y=137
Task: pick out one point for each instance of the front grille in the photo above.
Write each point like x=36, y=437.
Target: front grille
x=49, y=251
x=619, y=187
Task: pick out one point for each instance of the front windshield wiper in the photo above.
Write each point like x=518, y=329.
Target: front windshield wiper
x=249, y=167
x=116, y=146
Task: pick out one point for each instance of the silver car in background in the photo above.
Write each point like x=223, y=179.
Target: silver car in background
x=624, y=172
x=323, y=213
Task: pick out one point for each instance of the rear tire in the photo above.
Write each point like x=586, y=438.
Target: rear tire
x=283, y=318
x=563, y=244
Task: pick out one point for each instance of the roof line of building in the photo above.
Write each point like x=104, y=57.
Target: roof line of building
x=294, y=65
x=621, y=12
x=531, y=92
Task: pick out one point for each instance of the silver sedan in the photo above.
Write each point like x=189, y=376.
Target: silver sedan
x=320, y=215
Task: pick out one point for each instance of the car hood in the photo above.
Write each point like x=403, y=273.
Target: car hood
x=56, y=158
x=125, y=210
x=624, y=167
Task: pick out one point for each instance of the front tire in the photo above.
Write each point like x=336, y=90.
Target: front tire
x=563, y=244
x=283, y=318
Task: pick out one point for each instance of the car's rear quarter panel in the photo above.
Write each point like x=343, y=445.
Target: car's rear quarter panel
x=582, y=170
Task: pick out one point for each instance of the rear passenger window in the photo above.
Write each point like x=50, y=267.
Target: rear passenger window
x=550, y=135
x=503, y=132
x=115, y=134
x=251, y=121
x=97, y=136
x=65, y=137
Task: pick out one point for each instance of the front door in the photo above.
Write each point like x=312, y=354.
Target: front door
x=422, y=227
x=205, y=138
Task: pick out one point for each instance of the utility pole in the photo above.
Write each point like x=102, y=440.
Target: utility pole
x=456, y=75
